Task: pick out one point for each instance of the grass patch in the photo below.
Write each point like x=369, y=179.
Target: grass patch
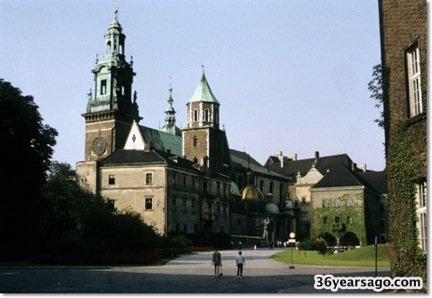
x=359, y=257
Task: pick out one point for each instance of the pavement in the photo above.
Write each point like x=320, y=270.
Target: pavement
x=191, y=273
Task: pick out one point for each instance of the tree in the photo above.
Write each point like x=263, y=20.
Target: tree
x=375, y=86
x=26, y=147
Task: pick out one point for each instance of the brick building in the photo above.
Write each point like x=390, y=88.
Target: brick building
x=403, y=28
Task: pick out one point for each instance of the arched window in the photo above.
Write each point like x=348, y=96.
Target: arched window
x=108, y=47
x=195, y=141
x=195, y=117
x=206, y=115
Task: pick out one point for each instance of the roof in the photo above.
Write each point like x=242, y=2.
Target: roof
x=161, y=140
x=143, y=157
x=243, y=161
x=291, y=167
x=341, y=176
x=203, y=92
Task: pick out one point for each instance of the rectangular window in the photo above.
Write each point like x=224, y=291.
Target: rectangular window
x=218, y=212
x=304, y=216
x=193, y=183
x=174, y=206
x=337, y=220
x=149, y=178
x=111, y=179
x=148, y=204
x=103, y=87
x=174, y=179
x=225, y=213
x=336, y=202
x=324, y=203
x=415, y=103
x=184, y=206
x=184, y=181
x=349, y=202
x=218, y=184
x=349, y=220
x=193, y=209
x=205, y=186
x=325, y=220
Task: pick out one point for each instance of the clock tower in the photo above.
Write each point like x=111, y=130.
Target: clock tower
x=111, y=107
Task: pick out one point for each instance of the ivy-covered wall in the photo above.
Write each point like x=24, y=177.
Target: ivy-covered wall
x=407, y=259
x=355, y=211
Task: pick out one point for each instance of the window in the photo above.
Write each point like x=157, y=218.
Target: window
x=224, y=210
x=324, y=203
x=304, y=216
x=185, y=229
x=336, y=202
x=218, y=212
x=421, y=193
x=184, y=206
x=415, y=104
x=349, y=202
x=337, y=220
x=174, y=179
x=148, y=204
x=103, y=87
x=149, y=178
x=206, y=115
x=349, y=220
x=204, y=186
x=193, y=209
x=218, y=184
x=193, y=183
x=111, y=179
x=195, y=141
x=209, y=208
x=324, y=219
x=195, y=116
x=184, y=181
x=174, y=206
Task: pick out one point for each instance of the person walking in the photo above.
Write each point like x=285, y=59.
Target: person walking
x=217, y=262
x=240, y=261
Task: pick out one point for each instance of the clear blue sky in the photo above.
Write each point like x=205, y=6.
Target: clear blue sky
x=290, y=75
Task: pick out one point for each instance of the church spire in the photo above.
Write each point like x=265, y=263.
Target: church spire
x=170, y=119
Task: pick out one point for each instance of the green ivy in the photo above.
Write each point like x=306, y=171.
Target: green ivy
x=407, y=259
x=355, y=211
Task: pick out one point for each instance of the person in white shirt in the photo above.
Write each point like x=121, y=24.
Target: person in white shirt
x=240, y=261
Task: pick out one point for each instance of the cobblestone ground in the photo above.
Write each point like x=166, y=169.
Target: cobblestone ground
x=187, y=274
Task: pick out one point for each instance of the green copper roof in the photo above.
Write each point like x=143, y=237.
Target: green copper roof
x=203, y=92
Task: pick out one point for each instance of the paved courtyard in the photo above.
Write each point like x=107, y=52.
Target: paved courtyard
x=187, y=274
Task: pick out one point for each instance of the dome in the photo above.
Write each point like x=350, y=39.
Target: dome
x=250, y=192
x=271, y=208
x=288, y=203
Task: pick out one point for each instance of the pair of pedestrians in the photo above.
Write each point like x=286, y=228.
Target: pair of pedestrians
x=217, y=262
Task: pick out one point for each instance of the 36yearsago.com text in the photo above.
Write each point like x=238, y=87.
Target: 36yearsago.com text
x=378, y=284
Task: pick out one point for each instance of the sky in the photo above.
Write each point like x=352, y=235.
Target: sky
x=290, y=75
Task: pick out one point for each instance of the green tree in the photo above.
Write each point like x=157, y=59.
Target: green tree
x=27, y=147
x=375, y=86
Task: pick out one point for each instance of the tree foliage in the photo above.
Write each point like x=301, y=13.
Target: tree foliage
x=27, y=147
x=375, y=86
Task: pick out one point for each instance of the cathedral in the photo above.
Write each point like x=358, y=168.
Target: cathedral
x=180, y=180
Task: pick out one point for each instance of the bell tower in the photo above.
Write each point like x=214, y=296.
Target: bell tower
x=203, y=141
x=111, y=108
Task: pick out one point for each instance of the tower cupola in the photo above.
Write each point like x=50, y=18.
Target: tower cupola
x=203, y=107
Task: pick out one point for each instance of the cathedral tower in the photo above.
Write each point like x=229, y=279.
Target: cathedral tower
x=203, y=141
x=110, y=109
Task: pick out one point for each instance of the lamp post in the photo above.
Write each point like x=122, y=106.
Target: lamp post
x=292, y=240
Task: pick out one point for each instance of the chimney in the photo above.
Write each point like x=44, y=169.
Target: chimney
x=353, y=167
x=293, y=156
x=316, y=155
x=279, y=154
x=362, y=167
